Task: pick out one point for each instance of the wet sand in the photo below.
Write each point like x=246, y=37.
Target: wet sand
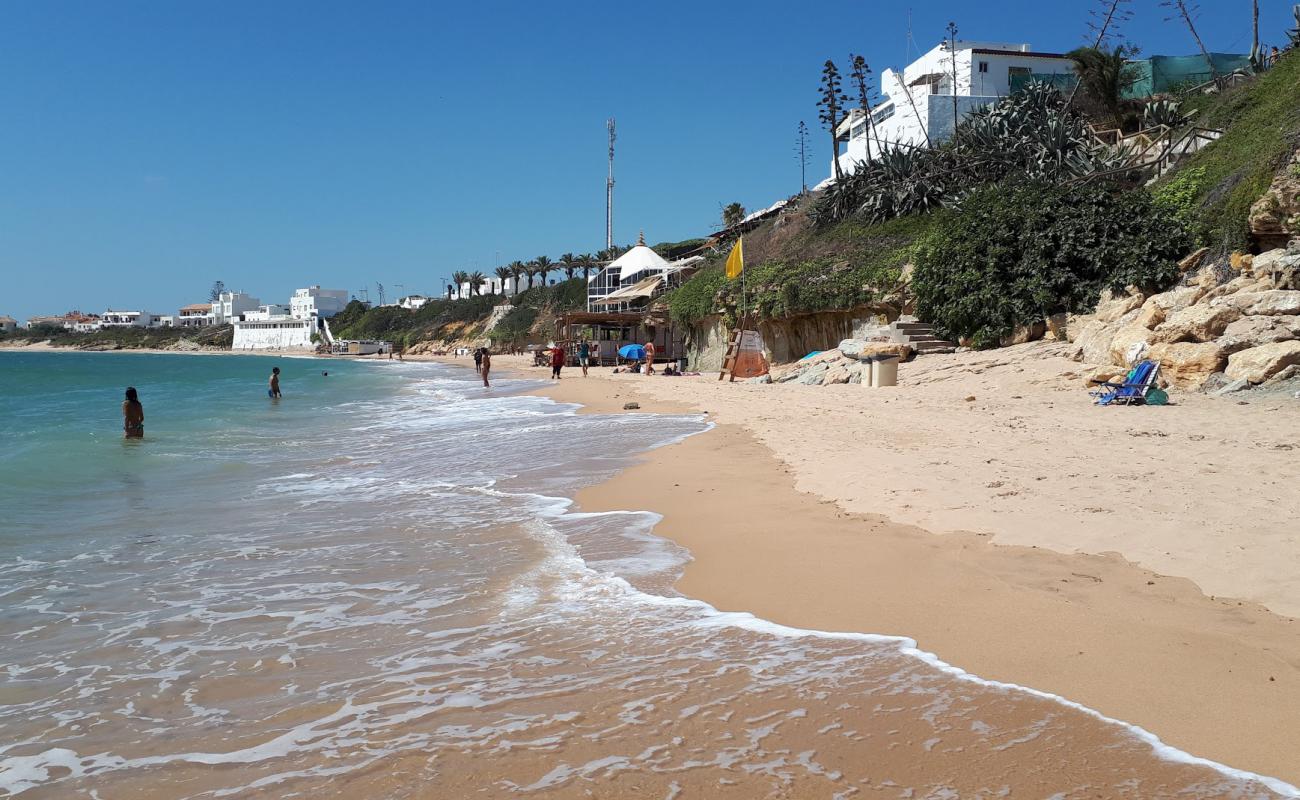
x=1214, y=676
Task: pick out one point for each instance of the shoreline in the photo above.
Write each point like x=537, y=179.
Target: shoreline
x=1207, y=675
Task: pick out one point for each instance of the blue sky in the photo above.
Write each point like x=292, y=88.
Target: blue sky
x=150, y=148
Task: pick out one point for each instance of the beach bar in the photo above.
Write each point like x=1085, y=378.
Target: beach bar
x=612, y=330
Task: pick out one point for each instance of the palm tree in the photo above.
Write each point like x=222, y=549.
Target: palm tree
x=531, y=269
x=476, y=281
x=503, y=273
x=449, y=291
x=460, y=277
x=587, y=260
x=516, y=269
x=544, y=267
x=1103, y=76
x=569, y=261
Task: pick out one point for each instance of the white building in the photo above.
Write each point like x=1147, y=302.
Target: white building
x=128, y=319
x=918, y=105
x=267, y=312
x=317, y=302
x=195, y=315
x=413, y=302
x=232, y=306
x=8, y=324
x=278, y=333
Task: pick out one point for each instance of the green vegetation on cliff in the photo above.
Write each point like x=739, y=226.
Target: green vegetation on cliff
x=127, y=338
x=1261, y=123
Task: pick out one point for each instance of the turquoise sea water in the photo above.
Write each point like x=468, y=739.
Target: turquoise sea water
x=377, y=587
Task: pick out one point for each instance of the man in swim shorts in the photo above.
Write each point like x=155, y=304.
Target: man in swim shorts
x=273, y=388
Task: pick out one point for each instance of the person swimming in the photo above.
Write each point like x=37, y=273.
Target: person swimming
x=132, y=415
x=273, y=388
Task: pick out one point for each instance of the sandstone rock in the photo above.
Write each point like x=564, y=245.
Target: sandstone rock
x=1194, y=260
x=1188, y=365
x=1023, y=334
x=1258, y=364
x=1058, y=327
x=1271, y=303
x=1150, y=315
x=1275, y=217
x=1240, y=261
x=835, y=375
x=1285, y=375
x=1111, y=309
x=1129, y=344
x=1249, y=332
x=1176, y=299
x=1235, y=386
x=1261, y=266
x=1092, y=345
x=854, y=348
x=1198, y=323
x=1241, y=283
x=758, y=379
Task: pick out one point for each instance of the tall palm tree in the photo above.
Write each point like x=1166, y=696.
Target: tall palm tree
x=476, y=281
x=516, y=269
x=531, y=269
x=503, y=273
x=587, y=260
x=450, y=289
x=1103, y=76
x=544, y=267
x=570, y=262
x=460, y=277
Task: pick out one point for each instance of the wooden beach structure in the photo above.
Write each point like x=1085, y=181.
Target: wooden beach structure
x=614, y=329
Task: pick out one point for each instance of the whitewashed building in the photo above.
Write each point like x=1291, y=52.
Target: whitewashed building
x=281, y=332
x=413, y=302
x=317, y=302
x=918, y=104
x=232, y=306
x=128, y=319
x=194, y=315
x=8, y=324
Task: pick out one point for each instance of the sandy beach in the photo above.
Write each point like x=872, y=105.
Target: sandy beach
x=1140, y=561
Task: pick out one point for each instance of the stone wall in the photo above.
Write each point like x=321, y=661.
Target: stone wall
x=788, y=339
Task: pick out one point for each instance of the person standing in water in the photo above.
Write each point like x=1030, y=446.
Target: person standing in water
x=132, y=415
x=584, y=356
x=478, y=359
x=273, y=388
x=485, y=367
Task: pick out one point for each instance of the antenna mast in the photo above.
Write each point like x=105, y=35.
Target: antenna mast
x=609, y=189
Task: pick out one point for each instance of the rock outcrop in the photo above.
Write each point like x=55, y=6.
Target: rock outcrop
x=1247, y=327
x=1275, y=217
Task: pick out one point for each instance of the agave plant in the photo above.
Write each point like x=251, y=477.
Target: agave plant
x=1163, y=112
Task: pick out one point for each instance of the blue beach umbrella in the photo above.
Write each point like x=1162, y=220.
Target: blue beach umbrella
x=633, y=351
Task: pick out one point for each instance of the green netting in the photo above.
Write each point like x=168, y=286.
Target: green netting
x=1152, y=76
x=1169, y=74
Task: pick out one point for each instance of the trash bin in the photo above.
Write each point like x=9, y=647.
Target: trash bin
x=884, y=371
x=681, y=364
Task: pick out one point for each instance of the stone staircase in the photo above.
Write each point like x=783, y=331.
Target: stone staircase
x=921, y=337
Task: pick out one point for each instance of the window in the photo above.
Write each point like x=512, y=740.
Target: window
x=984, y=67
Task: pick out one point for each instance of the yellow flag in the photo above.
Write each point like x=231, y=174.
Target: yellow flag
x=736, y=261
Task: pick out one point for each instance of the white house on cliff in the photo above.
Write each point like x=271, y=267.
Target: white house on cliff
x=918, y=105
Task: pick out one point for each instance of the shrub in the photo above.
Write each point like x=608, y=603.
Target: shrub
x=1014, y=255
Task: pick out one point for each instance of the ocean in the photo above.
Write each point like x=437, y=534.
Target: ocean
x=378, y=587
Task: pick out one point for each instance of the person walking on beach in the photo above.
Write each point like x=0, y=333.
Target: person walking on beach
x=584, y=356
x=486, y=367
x=132, y=415
x=273, y=388
x=557, y=360
x=478, y=359
x=650, y=357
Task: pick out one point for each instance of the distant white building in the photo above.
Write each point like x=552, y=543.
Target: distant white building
x=413, y=302
x=232, y=306
x=195, y=315
x=128, y=319
x=8, y=324
x=281, y=332
x=266, y=312
x=317, y=302
x=918, y=104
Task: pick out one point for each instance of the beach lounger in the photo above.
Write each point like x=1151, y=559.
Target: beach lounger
x=1133, y=391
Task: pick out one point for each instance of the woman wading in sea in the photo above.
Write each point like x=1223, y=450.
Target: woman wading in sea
x=485, y=367
x=132, y=415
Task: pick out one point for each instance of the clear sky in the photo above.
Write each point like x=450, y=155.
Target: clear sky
x=150, y=148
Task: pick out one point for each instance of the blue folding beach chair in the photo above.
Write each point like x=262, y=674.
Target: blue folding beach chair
x=1133, y=391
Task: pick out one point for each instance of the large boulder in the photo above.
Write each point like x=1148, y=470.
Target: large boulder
x=1110, y=308
x=1129, y=344
x=862, y=350
x=1242, y=284
x=1023, y=334
x=1275, y=302
x=1262, y=265
x=1092, y=344
x=1176, y=299
x=1188, y=365
x=1198, y=323
x=1150, y=315
x=1074, y=325
x=1249, y=332
x=1258, y=364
